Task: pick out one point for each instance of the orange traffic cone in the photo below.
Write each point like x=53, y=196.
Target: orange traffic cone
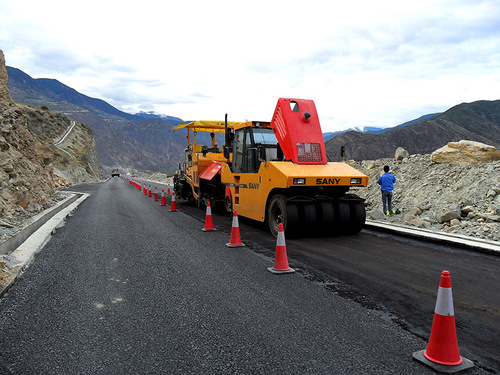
x=209, y=225
x=144, y=189
x=149, y=192
x=168, y=191
x=163, y=202
x=442, y=350
x=280, y=260
x=235, y=240
x=156, y=195
x=173, y=205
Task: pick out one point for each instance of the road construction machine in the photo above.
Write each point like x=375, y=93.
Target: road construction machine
x=193, y=181
x=274, y=172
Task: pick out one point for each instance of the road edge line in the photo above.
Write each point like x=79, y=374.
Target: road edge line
x=476, y=244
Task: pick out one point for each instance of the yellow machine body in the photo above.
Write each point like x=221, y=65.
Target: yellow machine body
x=250, y=192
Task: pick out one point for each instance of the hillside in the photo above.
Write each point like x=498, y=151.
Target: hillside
x=481, y=117
x=125, y=141
x=32, y=168
x=477, y=121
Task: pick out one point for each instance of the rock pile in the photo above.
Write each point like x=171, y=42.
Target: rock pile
x=445, y=191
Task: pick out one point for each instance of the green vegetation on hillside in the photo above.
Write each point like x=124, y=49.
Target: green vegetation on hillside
x=481, y=117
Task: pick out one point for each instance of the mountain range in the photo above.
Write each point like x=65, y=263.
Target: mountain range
x=146, y=142
x=123, y=140
x=375, y=130
x=477, y=121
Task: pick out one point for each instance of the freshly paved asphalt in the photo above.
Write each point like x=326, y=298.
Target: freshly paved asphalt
x=127, y=287
x=395, y=274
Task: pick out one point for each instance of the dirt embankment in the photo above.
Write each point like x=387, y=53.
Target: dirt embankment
x=454, y=195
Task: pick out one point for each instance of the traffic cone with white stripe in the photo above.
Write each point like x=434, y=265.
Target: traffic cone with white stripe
x=235, y=240
x=156, y=195
x=442, y=352
x=281, y=260
x=209, y=225
x=144, y=189
x=173, y=205
x=149, y=192
x=163, y=202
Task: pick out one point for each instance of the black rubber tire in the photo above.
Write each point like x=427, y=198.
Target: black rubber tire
x=358, y=217
x=308, y=220
x=326, y=216
x=292, y=221
x=343, y=218
x=276, y=213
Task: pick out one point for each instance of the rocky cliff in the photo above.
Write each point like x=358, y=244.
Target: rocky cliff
x=32, y=168
x=4, y=78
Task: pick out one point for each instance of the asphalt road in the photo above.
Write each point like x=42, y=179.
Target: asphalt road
x=126, y=287
x=397, y=275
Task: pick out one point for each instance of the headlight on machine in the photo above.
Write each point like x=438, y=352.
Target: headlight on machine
x=299, y=181
x=355, y=181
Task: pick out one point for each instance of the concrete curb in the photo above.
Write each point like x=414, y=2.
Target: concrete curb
x=476, y=244
x=21, y=249
x=38, y=220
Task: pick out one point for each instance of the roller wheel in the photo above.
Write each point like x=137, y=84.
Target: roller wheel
x=358, y=217
x=326, y=216
x=276, y=213
x=343, y=218
x=292, y=220
x=308, y=219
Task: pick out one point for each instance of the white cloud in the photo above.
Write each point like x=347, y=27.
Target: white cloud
x=363, y=63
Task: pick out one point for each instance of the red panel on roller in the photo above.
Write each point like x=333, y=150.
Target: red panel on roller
x=213, y=168
x=297, y=128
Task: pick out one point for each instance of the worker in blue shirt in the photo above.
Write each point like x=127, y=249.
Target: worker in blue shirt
x=386, y=182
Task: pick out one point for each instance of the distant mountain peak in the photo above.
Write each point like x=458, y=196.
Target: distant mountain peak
x=154, y=114
x=150, y=114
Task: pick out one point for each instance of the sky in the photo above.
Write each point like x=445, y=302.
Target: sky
x=364, y=63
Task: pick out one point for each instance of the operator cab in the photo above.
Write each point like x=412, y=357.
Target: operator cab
x=254, y=142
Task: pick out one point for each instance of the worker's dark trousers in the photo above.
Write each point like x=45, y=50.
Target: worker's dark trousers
x=387, y=201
